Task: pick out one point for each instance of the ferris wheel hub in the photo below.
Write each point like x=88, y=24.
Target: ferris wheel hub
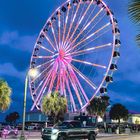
x=61, y=53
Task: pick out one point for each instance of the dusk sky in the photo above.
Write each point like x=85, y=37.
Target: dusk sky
x=20, y=24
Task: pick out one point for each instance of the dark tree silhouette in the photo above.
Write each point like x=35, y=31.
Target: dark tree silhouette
x=98, y=106
x=118, y=112
x=12, y=117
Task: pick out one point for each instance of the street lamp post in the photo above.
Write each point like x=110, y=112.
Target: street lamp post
x=24, y=108
x=32, y=73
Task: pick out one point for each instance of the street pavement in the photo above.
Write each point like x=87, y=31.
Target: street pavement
x=37, y=136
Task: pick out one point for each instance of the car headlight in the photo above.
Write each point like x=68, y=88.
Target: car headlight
x=42, y=129
x=54, y=131
x=97, y=130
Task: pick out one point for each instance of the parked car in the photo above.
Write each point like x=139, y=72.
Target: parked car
x=8, y=130
x=69, y=130
x=33, y=127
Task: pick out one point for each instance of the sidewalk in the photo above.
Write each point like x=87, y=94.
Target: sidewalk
x=110, y=135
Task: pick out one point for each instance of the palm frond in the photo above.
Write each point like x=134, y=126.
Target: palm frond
x=138, y=39
x=134, y=11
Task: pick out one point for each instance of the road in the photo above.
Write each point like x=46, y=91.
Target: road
x=99, y=137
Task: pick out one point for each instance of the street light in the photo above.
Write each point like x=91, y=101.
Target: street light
x=31, y=73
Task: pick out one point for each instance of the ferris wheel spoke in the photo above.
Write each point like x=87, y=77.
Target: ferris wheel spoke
x=89, y=23
x=81, y=41
x=43, y=57
x=53, y=77
x=41, y=95
x=47, y=38
x=43, y=89
x=89, y=63
x=70, y=93
x=42, y=72
x=58, y=83
x=59, y=31
x=63, y=79
x=81, y=88
x=84, y=28
x=65, y=25
x=41, y=46
x=81, y=19
x=66, y=35
x=41, y=65
x=71, y=24
x=41, y=92
x=39, y=85
x=100, y=19
x=92, y=40
x=54, y=37
x=86, y=22
x=80, y=16
x=64, y=87
x=61, y=85
x=89, y=50
x=106, y=25
x=74, y=83
x=84, y=77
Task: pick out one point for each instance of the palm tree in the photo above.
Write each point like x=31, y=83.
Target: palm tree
x=54, y=105
x=5, y=95
x=134, y=12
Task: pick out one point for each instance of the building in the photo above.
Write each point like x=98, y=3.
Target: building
x=134, y=117
x=36, y=117
x=39, y=117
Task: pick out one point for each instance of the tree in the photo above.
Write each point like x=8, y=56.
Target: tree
x=5, y=95
x=55, y=106
x=134, y=12
x=106, y=100
x=98, y=106
x=118, y=112
x=12, y=118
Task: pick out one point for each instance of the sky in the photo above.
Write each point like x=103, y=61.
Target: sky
x=20, y=24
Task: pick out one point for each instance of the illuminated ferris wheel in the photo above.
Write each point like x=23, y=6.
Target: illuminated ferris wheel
x=76, y=53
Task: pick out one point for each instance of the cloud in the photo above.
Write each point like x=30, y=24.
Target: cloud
x=20, y=59
x=15, y=40
x=10, y=70
x=16, y=49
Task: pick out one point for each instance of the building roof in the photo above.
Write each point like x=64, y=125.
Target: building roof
x=133, y=112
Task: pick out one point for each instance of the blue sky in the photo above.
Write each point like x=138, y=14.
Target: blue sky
x=20, y=23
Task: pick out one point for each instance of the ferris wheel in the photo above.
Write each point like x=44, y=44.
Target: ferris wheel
x=76, y=53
